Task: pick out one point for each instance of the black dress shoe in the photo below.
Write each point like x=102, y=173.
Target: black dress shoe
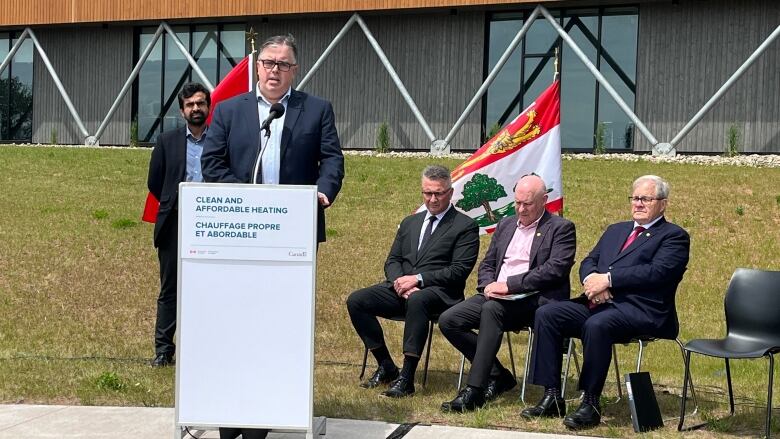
x=399, y=388
x=548, y=407
x=469, y=398
x=497, y=386
x=382, y=375
x=162, y=360
x=586, y=416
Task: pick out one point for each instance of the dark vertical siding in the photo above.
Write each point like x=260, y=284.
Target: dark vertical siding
x=93, y=64
x=438, y=57
x=686, y=52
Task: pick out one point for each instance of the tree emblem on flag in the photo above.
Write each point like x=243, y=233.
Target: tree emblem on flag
x=479, y=191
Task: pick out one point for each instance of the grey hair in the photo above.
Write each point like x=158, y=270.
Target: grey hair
x=281, y=40
x=661, y=185
x=437, y=173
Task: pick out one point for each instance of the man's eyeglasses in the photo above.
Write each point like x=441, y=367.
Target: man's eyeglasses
x=269, y=65
x=643, y=200
x=436, y=194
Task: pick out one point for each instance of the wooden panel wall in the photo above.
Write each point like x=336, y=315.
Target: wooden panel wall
x=687, y=52
x=32, y=12
x=92, y=64
x=441, y=75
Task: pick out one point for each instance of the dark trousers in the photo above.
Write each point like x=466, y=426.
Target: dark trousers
x=246, y=433
x=598, y=328
x=381, y=300
x=492, y=318
x=165, y=328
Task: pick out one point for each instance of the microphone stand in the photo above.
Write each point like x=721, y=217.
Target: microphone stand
x=261, y=150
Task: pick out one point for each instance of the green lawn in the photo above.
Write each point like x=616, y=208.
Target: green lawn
x=79, y=279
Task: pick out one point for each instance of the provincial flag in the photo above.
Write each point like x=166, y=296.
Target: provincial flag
x=238, y=80
x=531, y=143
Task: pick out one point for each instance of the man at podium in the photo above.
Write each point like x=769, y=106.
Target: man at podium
x=300, y=144
x=425, y=273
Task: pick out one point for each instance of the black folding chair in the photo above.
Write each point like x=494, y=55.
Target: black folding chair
x=511, y=359
x=642, y=341
x=434, y=320
x=752, y=306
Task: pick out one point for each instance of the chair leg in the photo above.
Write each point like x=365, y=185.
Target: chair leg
x=769, y=395
x=690, y=379
x=617, y=375
x=687, y=361
x=527, y=362
x=460, y=375
x=365, y=359
x=639, y=356
x=566, y=370
x=731, y=390
x=428, y=353
x=511, y=355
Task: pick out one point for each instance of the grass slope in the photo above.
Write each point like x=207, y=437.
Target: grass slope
x=79, y=279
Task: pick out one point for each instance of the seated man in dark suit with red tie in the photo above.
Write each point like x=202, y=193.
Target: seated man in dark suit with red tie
x=425, y=273
x=630, y=280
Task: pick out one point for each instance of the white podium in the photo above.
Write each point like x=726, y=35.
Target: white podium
x=246, y=281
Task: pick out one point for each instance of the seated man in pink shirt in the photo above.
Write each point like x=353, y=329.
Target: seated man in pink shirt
x=531, y=251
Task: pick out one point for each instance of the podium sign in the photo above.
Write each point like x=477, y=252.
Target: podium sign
x=245, y=335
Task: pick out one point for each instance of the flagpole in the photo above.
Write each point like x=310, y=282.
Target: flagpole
x=251, y=36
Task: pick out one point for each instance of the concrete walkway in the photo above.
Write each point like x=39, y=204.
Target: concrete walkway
x=79, y=422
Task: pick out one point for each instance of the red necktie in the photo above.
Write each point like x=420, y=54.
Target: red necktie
x=632, y=237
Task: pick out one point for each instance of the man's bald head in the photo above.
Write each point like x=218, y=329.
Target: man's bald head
x=530, y=198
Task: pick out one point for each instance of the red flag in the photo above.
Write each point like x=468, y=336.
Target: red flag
x=529, y=143
x=151, y=208
x=237, y=81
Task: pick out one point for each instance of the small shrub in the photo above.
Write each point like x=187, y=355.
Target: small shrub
x=733, y=136
x=100, y=214
x=599, y=144
x=494, y=129
x=109, y=381
x=134, y=133
x=740, y=210
x=53, y=136
x=123, y=223
x=382, y=138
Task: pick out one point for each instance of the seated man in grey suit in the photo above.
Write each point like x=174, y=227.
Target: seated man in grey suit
x=425, y=273
x=531, y=251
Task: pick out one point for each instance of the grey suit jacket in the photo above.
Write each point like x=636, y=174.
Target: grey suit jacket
x=552, y=257
x=446, y=260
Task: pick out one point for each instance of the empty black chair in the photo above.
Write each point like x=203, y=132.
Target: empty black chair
x=752, y=307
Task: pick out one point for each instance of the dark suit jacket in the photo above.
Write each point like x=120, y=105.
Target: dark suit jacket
x=310, y=152
x=552, y=257
x=644, y=276
x=446, y=260
x=167, y=168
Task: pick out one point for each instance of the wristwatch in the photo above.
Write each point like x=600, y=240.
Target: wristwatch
x=419, y=281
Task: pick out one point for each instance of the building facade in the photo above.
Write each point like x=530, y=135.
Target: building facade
x=664, y=58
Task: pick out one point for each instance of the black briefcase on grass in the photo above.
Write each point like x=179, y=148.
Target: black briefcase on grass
x=645, y=414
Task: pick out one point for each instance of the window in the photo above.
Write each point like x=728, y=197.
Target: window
x=16, y=91
x=216, y=49
x=607, y=36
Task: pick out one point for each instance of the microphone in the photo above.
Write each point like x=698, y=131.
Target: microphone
x=277, y=111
